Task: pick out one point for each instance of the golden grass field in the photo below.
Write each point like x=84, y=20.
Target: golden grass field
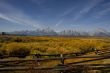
x=53, y=45
x=12, y=45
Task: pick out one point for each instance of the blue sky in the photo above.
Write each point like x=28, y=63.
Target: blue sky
x=84, y=15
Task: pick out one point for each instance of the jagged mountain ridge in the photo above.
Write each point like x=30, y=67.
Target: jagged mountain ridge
x=51, y=32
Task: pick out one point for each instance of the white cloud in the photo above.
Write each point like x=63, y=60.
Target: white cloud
x=103, y=12
x=12, y=14
x=58, y=23
x=86, y=9
x=63, y=15
x=106, y=4
x=8, y=18
x=38, y=2
x=68, y=11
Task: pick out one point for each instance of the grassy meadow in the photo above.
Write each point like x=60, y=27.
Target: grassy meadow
x=26, y=45
x=51, y=45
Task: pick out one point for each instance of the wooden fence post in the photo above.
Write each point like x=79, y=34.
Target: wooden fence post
x=62, y=62
x=62, y=59
x=38, y=56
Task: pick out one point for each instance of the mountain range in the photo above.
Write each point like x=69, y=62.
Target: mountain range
x=51, y=32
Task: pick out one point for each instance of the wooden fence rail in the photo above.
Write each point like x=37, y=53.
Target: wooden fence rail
x=53, y=68
x=60, y=67
x=55, y=58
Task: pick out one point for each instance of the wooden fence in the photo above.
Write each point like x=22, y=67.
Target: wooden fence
x=62, y=67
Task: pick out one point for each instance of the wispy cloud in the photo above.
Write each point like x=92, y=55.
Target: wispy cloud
x=58, y=23
x=104, y=11
x=68, y=11
x=106, y=4
x=64, y=14
x=8, y=18
x=12, y=14
x=39, y=2
x=90, y=5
